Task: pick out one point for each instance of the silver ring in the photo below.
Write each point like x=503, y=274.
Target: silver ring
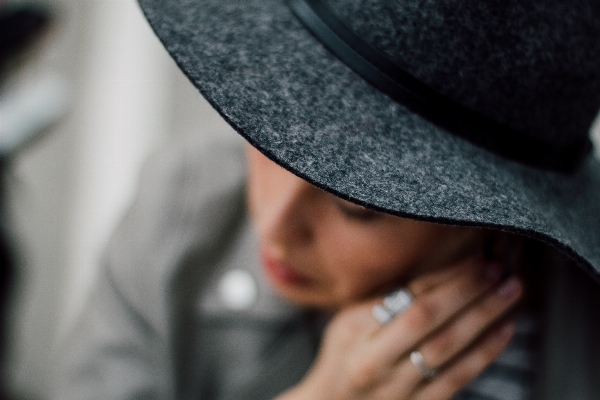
x=393, y=304
x=417, y=359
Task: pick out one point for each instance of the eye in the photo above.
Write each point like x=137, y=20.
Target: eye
x=356, y=212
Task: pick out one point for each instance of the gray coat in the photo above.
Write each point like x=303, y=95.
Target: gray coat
x=159, y=324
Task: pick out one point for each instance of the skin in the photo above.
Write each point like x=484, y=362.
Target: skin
x=323, y=252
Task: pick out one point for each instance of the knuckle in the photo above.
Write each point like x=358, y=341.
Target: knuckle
x=363, y=375
x=418, y=287
x=459, y=378
x=487, y=312
x=422, y=315
x=440, y=347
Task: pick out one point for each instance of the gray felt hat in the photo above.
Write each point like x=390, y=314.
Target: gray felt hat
x=473, y=113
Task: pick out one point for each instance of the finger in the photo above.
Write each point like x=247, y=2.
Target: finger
x=430, y=311
x=430, y=280
x=458, y=375
x=454, y=338
x=416, y=288
x=459, y=245
x=396, y=301
x=466, y=328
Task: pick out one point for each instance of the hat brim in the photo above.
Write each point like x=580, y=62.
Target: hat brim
x=276, y=85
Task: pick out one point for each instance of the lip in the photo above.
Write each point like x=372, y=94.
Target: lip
x=282, y=272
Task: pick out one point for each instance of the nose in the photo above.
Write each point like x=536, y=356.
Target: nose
x=290, y=218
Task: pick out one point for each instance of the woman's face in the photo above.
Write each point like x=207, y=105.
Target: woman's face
x=318, y=250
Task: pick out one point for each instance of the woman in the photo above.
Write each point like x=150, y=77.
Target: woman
x=389, y=119
x=321, y=251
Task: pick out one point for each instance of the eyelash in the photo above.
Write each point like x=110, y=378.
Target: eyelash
x=359, y=214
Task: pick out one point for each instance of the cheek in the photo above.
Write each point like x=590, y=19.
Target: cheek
x=365, y=262
x=359, y=266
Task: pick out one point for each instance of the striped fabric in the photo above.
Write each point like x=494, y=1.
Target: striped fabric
x=511, y=375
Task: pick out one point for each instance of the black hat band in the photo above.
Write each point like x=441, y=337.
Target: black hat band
x=389, y=78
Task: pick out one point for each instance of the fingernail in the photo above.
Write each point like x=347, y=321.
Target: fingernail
x=493, y=272
x=511, y=288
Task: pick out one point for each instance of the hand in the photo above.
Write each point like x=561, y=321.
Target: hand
x=456, y=322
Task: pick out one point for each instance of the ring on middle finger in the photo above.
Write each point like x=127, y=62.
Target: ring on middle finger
x=393, y=304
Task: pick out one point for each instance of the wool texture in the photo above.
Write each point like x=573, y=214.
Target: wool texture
x=292, y=99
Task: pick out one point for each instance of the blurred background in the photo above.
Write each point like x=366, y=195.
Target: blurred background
x=81, y=107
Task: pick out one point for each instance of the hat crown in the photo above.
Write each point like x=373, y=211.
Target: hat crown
x=532, y=66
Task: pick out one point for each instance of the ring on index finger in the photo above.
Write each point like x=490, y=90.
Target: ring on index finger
x=393, y=304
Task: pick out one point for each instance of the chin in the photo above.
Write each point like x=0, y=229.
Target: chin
x=304, y=298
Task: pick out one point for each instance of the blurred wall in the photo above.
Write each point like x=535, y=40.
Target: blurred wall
x=68, y=189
